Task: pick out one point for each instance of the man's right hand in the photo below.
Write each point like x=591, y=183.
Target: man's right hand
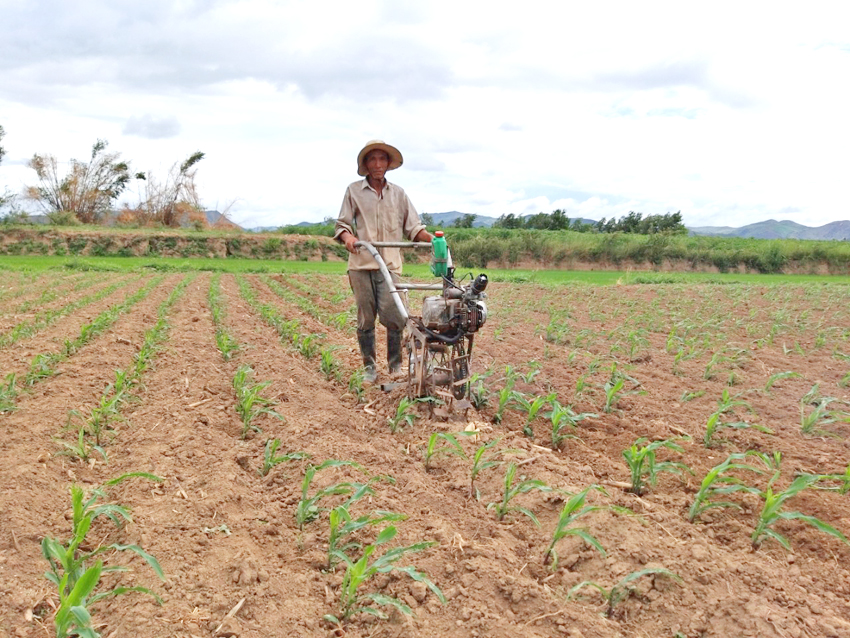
x=349, y=240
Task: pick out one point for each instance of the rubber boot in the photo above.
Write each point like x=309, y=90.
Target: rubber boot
x=394, y=338
x=366, y=339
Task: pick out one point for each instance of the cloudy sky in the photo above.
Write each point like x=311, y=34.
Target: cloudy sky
x=732, y=112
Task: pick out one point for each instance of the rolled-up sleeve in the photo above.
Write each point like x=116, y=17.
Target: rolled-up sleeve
x=345, y=221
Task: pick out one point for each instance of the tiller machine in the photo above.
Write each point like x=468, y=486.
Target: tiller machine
x=439, y=341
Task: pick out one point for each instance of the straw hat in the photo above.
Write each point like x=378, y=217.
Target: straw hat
x=392, y=152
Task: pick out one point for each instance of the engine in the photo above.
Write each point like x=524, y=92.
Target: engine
x=458, y=309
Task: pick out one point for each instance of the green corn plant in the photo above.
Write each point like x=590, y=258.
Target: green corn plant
x=811, y=422
x=614, y=389
x=249, y=403
x=779, y=376
x=511, y=491
x=478, y=395
x=845, y=380
x=342, y=525
x=533, y=371
x=726, y=404
x=353, y=600
x=562, y=417
x=642, y=462
x=482, y=460
x=843, y=479
x=41, y=367
x=271, y=457
x=690, y=396
x=329, y=365
x=355, y=385
x=404, y=415
x=8, y=394
x=506, y=394
x=71, y=569
x=717, y=483
x=451, y=446
x=81, y=448
x=531, y=408
x=308, y=509
x=772, y=512
x=573, y=509
x=308, y=345
x=621, y=591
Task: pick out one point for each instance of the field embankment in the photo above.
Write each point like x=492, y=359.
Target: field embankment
x=476, y=247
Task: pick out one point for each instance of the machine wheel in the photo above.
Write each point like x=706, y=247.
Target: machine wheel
x=460, y=370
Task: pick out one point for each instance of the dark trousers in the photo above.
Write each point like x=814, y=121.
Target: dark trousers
x=374, y=299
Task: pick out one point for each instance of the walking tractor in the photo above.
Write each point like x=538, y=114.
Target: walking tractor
x=439, y=341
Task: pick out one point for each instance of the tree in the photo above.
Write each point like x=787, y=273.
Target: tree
x=87, y=191
x=427, y=219
x=7, y=199
x=464, y=221
x=509, y=221
x=172, y=202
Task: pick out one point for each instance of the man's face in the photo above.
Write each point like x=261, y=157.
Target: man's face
x=376, y=164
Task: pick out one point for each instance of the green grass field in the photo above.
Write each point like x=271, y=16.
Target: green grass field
x=415, y=271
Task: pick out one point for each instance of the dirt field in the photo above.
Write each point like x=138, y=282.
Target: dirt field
x=223, y=533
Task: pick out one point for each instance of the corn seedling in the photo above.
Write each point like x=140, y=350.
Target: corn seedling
x=523, y=487
x=483, y=460
x=451, y=447
x=562, y=417
x=772, y=512
x=352, y=598
x=843, y=479
x=75, y=572
x=614, y=389
x=725, y=405
x=404, y=415
x=717, y=483
x=81, y=448
x=342, y=525
x=845, y=381
x=506, y=394
x=531, y=408
x=642, y=462
x=573, y=509
x=779, y=376
x=308, y=508
x=308, y=345
x=8, y=393
x=534, y=370
x=621, y=591
x=271, y=457
x=355, y=385
x=249, y=403
x=690, y=396
x=811, y=422
x=329, y=365
x=478, y=394
x=227, y=345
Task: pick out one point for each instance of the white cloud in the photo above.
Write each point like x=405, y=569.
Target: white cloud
x=729, y=112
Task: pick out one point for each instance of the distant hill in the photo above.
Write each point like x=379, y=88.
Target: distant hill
x=772, y=229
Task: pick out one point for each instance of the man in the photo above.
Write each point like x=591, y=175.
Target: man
x=375, y=210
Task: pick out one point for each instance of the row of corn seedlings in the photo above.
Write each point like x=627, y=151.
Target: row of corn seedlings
x=26, y=329
x=43, y=365
x=227, y=345
x=54, y=290
x=108, y=409
x=306, y=344
x=340, y=320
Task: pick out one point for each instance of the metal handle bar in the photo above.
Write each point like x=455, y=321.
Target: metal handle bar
x=396, y=290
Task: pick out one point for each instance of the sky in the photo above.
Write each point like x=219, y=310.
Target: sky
x=730, y=112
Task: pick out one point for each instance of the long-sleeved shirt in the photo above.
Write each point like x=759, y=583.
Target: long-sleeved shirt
x=370, y=217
